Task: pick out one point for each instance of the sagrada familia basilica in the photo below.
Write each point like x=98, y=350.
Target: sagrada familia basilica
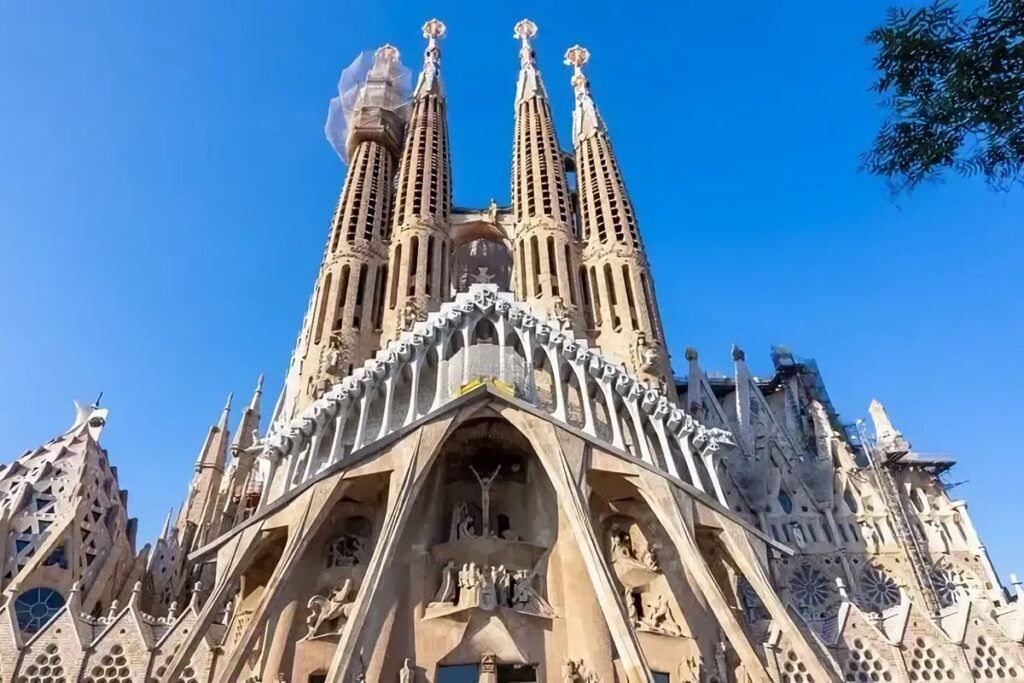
x=483, y=468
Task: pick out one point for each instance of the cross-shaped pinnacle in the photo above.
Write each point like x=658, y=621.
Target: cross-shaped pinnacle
x=525, y=29
x=576, y=56
x=433, y=30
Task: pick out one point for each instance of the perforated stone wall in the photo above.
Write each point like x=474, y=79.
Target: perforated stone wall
x=927, y=663
x=46, y=668
x=990, y=662
x=863, y=663
x=793, y=670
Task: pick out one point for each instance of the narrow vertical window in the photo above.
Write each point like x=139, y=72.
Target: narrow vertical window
x=627, y=282
x=652, y=310
x=613, y=301
x=569, y=277
x=588, y=312
x=357, y=309
x=595, y=292
x=382, y=282
x=523, y=289
x=430, y=265
x=445, y=290
x=414, y=262
x=535, y=257
x=396, y=275
x=339, y=306
x=325, y=294
x=552, y=266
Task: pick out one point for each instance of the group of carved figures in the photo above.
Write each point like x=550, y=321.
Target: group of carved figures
x=622, y=548
x=486, y=587
x=652, y=615
x=330, y=610
x=463, y=525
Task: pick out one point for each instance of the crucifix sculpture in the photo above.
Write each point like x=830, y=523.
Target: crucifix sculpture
x=485, y=497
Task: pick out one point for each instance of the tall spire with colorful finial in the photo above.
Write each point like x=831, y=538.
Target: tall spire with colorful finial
x=418, y=277
x=546, y=252
x=618, y=289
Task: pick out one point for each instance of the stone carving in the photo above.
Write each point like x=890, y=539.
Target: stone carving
x=491, y=215
x=344, y=550
x=644, y=353
x=576, y=672
x=469, y=593
x=323, y=610
x=462, y=523
x=489, y=588
x=654, y=616
x=334, y=359
x=622, y=544
x=407, y=674
x=649, y=560
x=449, y=584
x=411, y=313
x=485, y=498
x=658, y=618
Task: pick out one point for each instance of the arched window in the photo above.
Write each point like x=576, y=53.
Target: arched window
x=35, y=607
x=785, y=502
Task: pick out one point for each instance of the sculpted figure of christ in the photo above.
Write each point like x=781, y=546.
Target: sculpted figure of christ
x=485, y=497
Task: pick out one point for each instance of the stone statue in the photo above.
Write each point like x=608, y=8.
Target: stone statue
x=659, y=618
x=571, y=673
x=524, y=597
x=649, y=560
x=631, y=611
x=326, y=609
x=407, y=674
x=485, y=498
x=798, y=535
x=491, y=215
x=462, y=523
x=334, y=359
x=870, y=536
x=449, y=586
x=488, y=594
x=469, y=584
x=502, y=585
x=645, y=355
x=622, y=546
x=411, y=313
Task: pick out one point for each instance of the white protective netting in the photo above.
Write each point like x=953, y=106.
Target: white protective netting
x=375, y=79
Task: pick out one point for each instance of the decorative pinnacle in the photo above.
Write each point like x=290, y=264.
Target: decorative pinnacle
x=386, y=53
x=691, y=353
x=433, y=30
x=524, y=31
x=576, y=56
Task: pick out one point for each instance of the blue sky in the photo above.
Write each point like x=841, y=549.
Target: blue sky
x=166, y=190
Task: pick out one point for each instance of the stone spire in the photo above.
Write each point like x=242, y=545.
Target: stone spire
x=418, y=278
x=343, y=322
x=619, y=291
x=200, y=507
x=545, y=248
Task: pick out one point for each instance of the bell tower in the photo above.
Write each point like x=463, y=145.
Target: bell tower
x=343, y=323
x=619, y=291
x=545, y=248
x=419, y=255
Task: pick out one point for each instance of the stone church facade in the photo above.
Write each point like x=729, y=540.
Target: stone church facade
x=482, y=467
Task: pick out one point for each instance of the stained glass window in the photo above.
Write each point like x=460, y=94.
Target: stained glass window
x=35, y=607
